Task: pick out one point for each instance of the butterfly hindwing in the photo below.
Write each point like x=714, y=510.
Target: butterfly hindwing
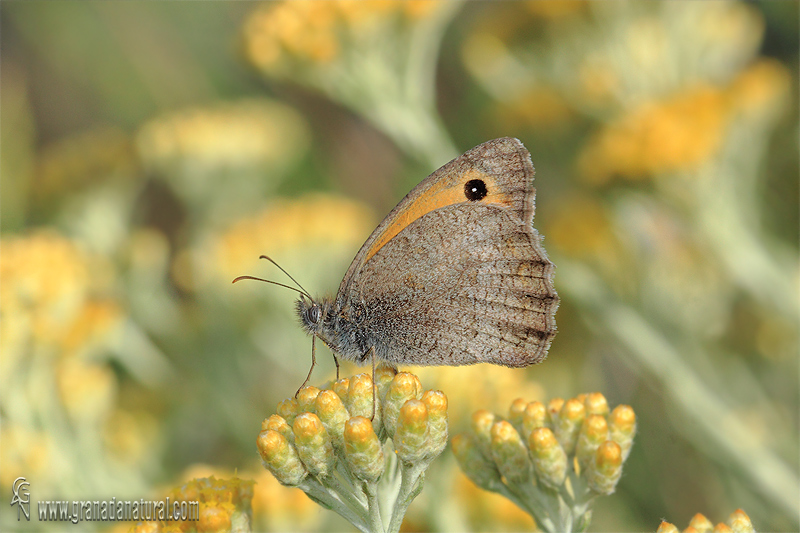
x=449, y=280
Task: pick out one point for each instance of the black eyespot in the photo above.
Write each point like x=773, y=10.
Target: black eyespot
x=475, y=190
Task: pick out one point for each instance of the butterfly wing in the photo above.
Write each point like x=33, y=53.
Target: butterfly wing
x=449, y=280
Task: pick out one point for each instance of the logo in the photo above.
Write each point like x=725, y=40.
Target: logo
x=21, y=497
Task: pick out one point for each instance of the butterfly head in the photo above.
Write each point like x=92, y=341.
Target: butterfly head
x=312, y=314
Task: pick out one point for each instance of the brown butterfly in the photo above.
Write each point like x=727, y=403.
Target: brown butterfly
x=454, y=275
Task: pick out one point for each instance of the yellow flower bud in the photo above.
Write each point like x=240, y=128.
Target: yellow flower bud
x=288, y=409
x=596, y=404
x=622, y=428
x=411, y=431
x=553, y=409
x=666, y=527
x=604, y=472
x=516, y=413
x=481, y=423
x=549, y=458
x=384, y=374
x=305, y=399
x=474, y=463
x=281, y=458
x=279, y=424
x=509, y=453
x=535, y=416
x=313, y=445
x=363, y=450
x=331, y=411
x=569, y=422
x=359, y=400
x=404, y=387
x=341, y=387
x=740, y=522
x=594, y=432
x=701, y=524
x=436, y=402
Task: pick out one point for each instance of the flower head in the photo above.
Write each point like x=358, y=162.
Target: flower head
x=328, y=443
x=738, y=522
x=558, y=456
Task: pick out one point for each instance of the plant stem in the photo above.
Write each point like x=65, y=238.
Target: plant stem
x=332, y=501
x=409, y=487
x=375, y=522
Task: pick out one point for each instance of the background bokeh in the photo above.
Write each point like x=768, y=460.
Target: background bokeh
x=151, y=151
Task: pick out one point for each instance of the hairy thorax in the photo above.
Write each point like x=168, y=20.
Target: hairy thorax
x=342, y=328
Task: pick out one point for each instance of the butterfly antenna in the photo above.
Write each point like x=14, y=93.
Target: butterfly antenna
x=274, y=283
x=287, y=274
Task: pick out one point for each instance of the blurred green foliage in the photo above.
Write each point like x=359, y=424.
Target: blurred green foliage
x=150, y=151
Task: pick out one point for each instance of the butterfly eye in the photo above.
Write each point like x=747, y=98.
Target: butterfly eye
x=314, y=314
x=475, y=190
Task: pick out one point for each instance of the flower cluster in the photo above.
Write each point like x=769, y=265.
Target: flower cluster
x=738, y=522
x=332, y=444
x=355, y=52
x=682, y=131
x=313, y=32
x=322, y=223
x=223, y=505
x=59, y=322
x=248, y=145
x=551, y=460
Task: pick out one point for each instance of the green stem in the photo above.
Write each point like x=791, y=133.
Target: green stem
x=538, y=506
x=390, y=482
x=375, y=521
x=332, y=501
x=409, y=488
x=352, y=498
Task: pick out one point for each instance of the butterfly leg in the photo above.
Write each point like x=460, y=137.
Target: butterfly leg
x=313, y=364
x=374, y=385
x=336, y=360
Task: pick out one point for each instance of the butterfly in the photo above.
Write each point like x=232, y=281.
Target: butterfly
x=454, y=275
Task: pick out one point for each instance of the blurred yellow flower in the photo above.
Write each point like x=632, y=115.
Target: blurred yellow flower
x=220, y=500
x=24, y=452
x=53, y=298
x=301, y=29
x=598, y=80
x=227, y=136
x=87, y=390
x=275, y=507
x=761, y=88
x=314, y=31
x=539, y=106
x=305, y=223
x=683, y=131
x=581, y=227
x=131, y=435
x=737, y=522
x=679, y=133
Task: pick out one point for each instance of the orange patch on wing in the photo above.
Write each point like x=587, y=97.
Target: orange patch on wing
x=435, y=197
